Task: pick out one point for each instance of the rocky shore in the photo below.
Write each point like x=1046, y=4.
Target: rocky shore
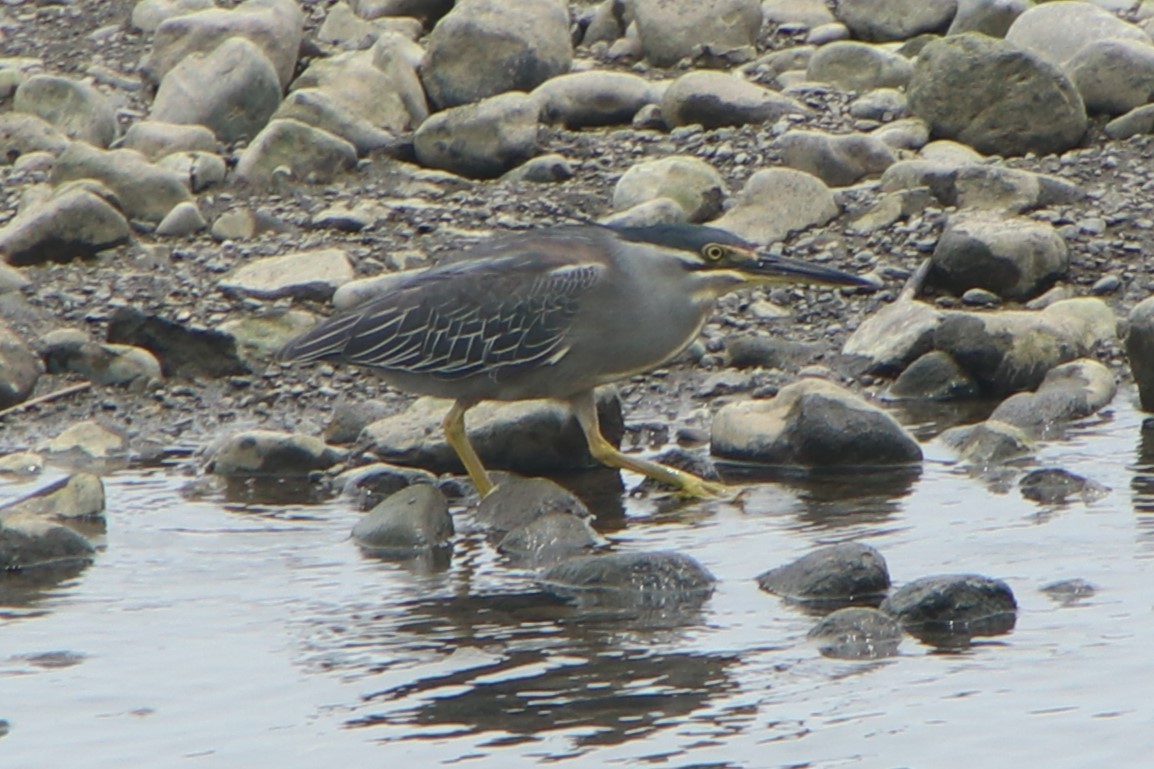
x=186, y=185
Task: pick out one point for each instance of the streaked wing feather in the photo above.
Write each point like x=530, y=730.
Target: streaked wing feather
x=468, y=318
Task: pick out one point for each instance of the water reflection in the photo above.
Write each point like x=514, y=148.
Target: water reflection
x=1142, y=483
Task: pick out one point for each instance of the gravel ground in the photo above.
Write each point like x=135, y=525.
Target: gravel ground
x=1109, y=233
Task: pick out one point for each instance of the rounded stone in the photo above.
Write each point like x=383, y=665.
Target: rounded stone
x=690, y=181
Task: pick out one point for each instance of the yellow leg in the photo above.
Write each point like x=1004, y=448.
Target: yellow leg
x=455, y=435
x=585, y=409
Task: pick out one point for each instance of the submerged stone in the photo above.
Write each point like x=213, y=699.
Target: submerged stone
x=839, y=575
x=856, y=633
x=642, y=580
x=948, y=610
x=410, y=521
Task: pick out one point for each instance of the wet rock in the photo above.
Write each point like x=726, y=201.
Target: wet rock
x=155, y=139
x=370, y=484
x=525, y=437
x=777, y=201
x=1068, y=592
x=70, y=350
x=481, y=140
x=409, y=521
x=233, y=90
x=90, y=439
x=714, y=99
x=949, y=610
x=517, y=502
x=670, y=30
x=143, y=190
x=543, y=169
x=858, y=67
x=1056, y=32
x=894, y=336
x=988, y=444
x=811, y=423
x=550, y=537
x=989, y=17
x=274, y=26
x=183, y=351
x=1113, y=76
x=833, y=576
x=486, y=47
x=1013, y=257
x=76, y=108
x=184, y=219
x=1140, y=350
x=1071, y=391
x=79, y=496
x=147, y=15
x=304, y=152
x=21, y=134
x=652, y=580
x=1013, y=350
x=28, y=542
x=593, y=98
x=885, y=20
x=265, y=452
x=20, y=368
x=75, y=222
x=995, y=97
x=857, y=633
x=304, y=275
x=933, y=376
x=840, y=160
x=1054, y=486
x=21, y=463
x=690, y=181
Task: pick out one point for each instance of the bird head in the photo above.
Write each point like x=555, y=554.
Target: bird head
x=724, y=262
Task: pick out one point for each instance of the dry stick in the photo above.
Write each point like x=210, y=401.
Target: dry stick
x=46, y=398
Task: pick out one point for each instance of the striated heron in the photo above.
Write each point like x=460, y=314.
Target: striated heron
x=551, y=313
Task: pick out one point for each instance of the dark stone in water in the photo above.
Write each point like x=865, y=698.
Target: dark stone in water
x=550, y=536
x=1069, y=591
x=642, y=580
x=517, y=501
x=949, y=610
x=410, y=521
x=834, y=576
x=857, y=632
x=1054, y=485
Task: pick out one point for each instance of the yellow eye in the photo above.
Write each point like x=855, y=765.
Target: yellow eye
x=713, y=252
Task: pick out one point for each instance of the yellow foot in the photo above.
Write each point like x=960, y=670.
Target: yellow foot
x=698, y=488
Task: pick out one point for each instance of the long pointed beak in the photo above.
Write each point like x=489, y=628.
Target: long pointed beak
x=766, y=268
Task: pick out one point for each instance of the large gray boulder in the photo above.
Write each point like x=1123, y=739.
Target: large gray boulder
x=671, y=30
x=886, y=20
x=999, y=99
x=76, y=108
x=232, y=90
x=593, y=98
x=812, y=423
x=77, y=221
x=486, y=47
x=839, y=160
x=1057, y=31
x=1113, y=76
x=714, y=99
x=275, y=26
x=481, y=140
x=1140, y=350
x=777, y=201
x=855, y=66
x=144, y=190
x=20, y=368
x=1014, y=257
x=1013, y=350
x=304, y=152
x=695, y=185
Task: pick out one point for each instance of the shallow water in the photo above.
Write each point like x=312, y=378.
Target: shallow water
x=220, y=632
